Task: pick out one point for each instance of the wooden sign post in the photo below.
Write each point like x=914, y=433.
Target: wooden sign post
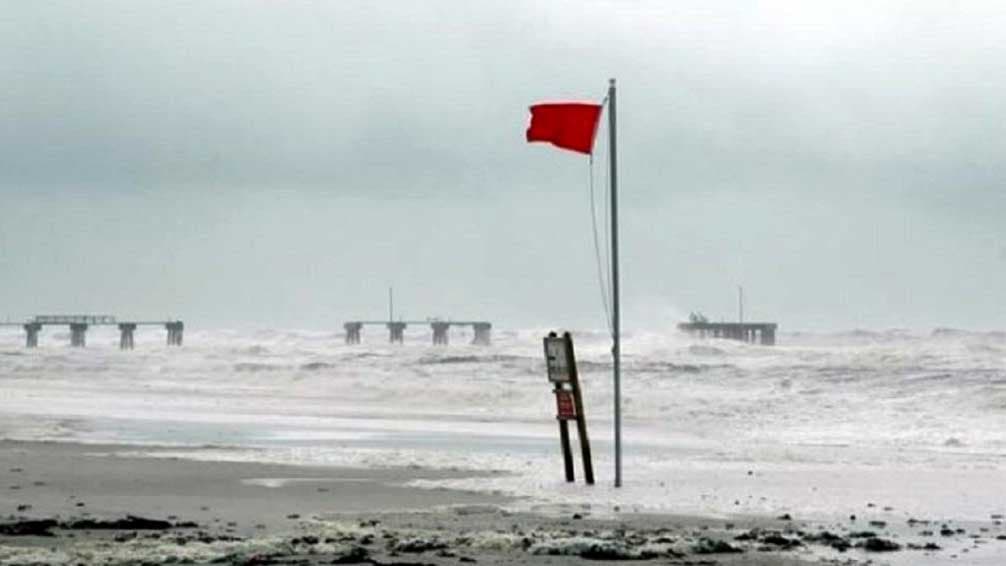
x=561, y=364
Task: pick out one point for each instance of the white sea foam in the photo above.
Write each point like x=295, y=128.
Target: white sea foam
x=824, y=422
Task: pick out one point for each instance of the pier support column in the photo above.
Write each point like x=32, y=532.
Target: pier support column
x=31, y=334
x=126, y=335
x=78, y=334
x=482, y=333
x=768, y=336
x=175, y=330
x=440, y=332
x=396, y=332
x=353, y=332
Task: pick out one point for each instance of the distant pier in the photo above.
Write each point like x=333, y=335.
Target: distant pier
x=751, y=332
x=481, y=330
x=79, y=323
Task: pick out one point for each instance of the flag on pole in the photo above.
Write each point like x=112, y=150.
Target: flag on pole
x=569, y=125
x=572, y=126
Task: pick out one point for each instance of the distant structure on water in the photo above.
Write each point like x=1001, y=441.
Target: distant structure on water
x=482, y=330
x=79, y=324
x=751, y=332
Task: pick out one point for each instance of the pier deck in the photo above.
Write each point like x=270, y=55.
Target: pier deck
x=79, y=323
x=762, y=332
x=396, y=329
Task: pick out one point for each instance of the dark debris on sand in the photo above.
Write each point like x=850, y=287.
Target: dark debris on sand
x=713, y=546
x=45, y=527
x=415, y=542
x=129, y=523
x=29, y=527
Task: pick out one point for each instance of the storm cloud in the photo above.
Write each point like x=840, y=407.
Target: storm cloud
x=282, y=163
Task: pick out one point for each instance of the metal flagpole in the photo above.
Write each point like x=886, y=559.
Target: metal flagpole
x=740, y=304
x=616, y=350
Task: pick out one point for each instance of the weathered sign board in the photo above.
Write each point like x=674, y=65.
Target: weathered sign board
x=565, y=406
x=560, y=362
x=557, y=358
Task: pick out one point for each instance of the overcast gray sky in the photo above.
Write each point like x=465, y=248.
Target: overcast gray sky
x=265, y=163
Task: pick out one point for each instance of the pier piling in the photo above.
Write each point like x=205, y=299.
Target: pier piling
x=440, y=332
x=175, y=330
x=396, y=332
x=126, y=335
x=482, y=331
x=353, y=332
x=78, y=334
x=31, y=330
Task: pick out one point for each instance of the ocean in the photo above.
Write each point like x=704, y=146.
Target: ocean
x=895, y=423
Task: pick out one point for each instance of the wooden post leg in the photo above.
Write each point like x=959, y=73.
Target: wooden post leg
x=581, y=418
x=588, y=463
x=567, y=450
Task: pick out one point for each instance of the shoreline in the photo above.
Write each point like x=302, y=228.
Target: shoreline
x=253, y=513
x=65, y=478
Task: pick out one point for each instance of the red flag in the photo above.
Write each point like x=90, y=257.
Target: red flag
x=569, y=125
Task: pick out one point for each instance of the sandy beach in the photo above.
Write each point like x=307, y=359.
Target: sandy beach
x=67, y=503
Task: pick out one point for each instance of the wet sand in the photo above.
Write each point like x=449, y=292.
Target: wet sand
x=54, y=498
x=62, y=479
